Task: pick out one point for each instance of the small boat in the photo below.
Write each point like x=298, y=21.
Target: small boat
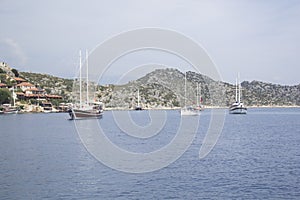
x=188, y=110
x=237, y=107
x=46, y=107
x=199, y=105
x=87, y=110
x=9, y=109
x=138, y=106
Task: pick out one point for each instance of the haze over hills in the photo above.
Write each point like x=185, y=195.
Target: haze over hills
x=164, y=88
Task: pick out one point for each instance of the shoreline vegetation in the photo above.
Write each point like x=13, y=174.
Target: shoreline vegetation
x=205, y=107
x=162, y=109
x=161, y=89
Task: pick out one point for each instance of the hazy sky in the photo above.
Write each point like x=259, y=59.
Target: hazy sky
x=260, y=39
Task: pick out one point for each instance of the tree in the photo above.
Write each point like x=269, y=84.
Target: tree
x=15, y=72
x=5, y=96
x=2, y=78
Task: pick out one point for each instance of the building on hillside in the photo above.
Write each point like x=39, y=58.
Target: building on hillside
x=25, y=86
x=20, y=95
x=35, y=90
x=3, y=85
x=19, y=80
x=35, y=93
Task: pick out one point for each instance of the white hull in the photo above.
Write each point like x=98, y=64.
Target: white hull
x=238, y=108
x=47, y=111
x=238, y=111
x=11, y=112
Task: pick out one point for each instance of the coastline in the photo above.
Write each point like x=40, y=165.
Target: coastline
x=160, y=108
x=205, y=107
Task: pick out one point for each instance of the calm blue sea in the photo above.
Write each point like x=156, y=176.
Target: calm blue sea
x=257, y=156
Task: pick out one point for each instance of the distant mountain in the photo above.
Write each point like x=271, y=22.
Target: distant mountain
x=165, y=88
x=260, y=93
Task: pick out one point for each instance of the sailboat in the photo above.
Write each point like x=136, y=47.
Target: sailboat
x=238, y=107
x=11, y=109
x=199, y=106
x=187, y=110
x=138, y=106
x=87, y=110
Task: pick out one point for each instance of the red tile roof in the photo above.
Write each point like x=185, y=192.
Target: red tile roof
x=19, y=79
x=25, y=84
x=2, y=85
x=20, y=93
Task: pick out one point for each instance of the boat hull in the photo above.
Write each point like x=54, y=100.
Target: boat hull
x=84, y=114
x=238, y=110
x=10, y=111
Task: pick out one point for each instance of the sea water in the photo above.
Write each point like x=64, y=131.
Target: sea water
x=257, y=156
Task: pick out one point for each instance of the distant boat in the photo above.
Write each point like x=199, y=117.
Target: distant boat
x=138, y=106
x=89, y=109
x=237, y=107
x=199, y=105
x=47, y=107
x=9, y=109
x=187, y=110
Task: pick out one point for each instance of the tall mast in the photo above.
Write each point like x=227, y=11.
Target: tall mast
x=200, y=93
x=197, y=94
x=14, y=95
x=236, y=90
x=87, y=77
x=80, y=97
x=185, y=89
x=138, y=98
x=239, y=87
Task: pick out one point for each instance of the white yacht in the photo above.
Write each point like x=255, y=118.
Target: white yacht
x=238, y=106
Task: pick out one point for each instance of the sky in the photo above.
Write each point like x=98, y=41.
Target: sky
x=258, y=39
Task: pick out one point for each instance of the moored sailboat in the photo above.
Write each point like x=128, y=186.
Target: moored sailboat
x=187, y=110
x=89, y=109
x=8, y=108
x=199, y=105
x=138, y=106
x=238, y=106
